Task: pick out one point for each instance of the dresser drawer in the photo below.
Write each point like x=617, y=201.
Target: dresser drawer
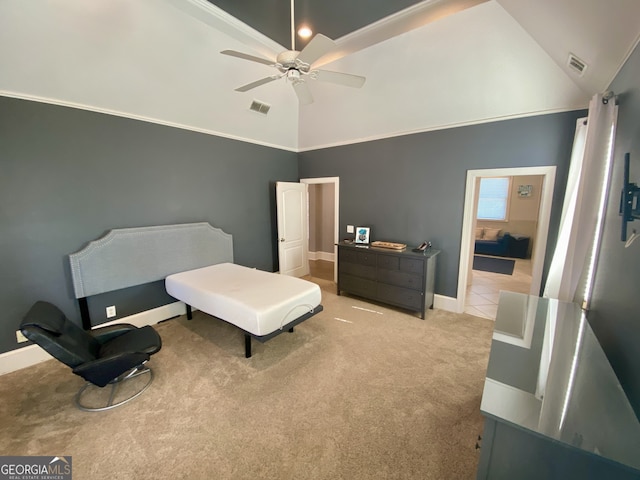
x=357, y=270
x=403, y=297
x=388, y=262
x=356, y=285
x=355, y=256
x=412, y=265
x=400, y=279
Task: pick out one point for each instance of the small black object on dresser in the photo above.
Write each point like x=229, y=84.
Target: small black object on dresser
x=401, y=278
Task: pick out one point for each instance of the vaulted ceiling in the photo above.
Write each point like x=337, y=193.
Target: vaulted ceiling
x=429, y=65
x=333, y=18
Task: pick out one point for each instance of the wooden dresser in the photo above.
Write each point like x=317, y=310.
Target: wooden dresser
x=401, y=278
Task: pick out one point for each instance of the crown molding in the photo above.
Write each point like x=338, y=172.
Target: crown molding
x=142, y=118
x=296, y=149
x=441, y=127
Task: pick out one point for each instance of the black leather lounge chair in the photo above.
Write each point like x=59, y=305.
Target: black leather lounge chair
x=102, y=356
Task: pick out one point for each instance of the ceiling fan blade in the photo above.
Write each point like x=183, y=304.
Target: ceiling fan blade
x=318, y=47
x=346, y=79
x=303, y=93
x=257, y=83
x=245, y=56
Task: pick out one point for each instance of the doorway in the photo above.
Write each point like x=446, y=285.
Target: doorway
x=505, y=231
x=323, y=219
x=545, y=179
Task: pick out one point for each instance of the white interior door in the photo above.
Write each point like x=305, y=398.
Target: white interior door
x=291, y=206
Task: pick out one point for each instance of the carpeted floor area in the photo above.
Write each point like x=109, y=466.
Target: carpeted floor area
x=351, y=394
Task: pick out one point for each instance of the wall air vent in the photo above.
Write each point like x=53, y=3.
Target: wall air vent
x=577, y=65
x=259, y=107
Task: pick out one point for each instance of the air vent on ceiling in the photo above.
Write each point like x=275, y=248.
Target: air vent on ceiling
x=259, y=107
x=577, y=65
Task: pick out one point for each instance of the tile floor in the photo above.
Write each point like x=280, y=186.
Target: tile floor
x=484, y=290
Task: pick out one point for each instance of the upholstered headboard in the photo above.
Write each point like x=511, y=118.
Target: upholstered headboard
x=127, y=257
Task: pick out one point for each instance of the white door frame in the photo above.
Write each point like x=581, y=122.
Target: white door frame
x=336, y=215
x=544, y=215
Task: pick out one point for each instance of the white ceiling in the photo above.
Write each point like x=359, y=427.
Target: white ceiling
x=149, y=60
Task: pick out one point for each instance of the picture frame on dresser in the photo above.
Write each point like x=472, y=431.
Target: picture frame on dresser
x=363, y=235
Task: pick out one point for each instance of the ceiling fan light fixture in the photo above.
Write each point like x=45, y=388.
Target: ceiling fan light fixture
x=293, y=75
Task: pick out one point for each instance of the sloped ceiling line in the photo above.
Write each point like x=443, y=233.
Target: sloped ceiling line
x=148, y=60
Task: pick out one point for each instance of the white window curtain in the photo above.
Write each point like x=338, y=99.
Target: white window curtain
x=572, y=266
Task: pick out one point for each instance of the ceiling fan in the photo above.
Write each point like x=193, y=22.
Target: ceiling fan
x=297, y=67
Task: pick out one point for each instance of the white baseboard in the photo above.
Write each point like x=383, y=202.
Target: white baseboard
x=33, y=354
x=22, y=358
x=449, y=304
x=328, y=256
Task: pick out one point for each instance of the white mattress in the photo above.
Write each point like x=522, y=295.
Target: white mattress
x=256, y=301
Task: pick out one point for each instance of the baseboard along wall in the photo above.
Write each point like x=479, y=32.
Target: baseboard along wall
x=448, y=304
x=328, y=256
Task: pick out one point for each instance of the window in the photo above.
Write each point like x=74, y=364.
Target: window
x=493, y=201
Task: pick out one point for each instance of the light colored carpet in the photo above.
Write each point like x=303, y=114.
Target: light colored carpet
x=376, y=396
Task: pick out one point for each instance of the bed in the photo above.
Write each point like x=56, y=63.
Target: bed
x=196, y=263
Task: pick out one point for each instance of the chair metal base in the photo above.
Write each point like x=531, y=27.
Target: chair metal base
x=115, y=384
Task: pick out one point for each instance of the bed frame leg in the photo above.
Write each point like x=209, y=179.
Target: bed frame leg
x=189, y=314
x=247, y=345
x=291, y=330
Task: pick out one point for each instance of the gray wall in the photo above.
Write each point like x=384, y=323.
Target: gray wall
x=615, y=307
x=67, y=176
x=411, y=188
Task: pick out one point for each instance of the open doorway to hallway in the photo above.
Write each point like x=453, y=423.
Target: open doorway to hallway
x=323, y=269
x=323, y=200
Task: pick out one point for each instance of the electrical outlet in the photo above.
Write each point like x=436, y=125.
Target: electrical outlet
x=20, y=337
x=111, y=311
x=350, y=229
